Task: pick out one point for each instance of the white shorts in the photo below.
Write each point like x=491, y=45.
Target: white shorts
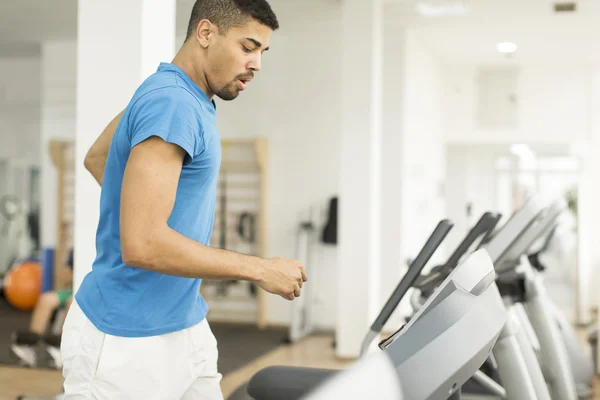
x=177, y=366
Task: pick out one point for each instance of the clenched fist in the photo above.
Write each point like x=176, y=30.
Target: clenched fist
x=283, y=277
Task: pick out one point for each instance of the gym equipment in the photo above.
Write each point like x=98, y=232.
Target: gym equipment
x=330, y=231
x=240, y=225
x=27, y=346
x=513, y=363
x=15, y=241
x=427, y=283
x=582, y=365
x=532, y=319
x=374, y=377
x=23, y=285
x=537, y=323
x=477, y=235
x=290, y=383
x=430, y=354
x=10, y=207
x=406, y=282
x=517, y=365
x=520, y=283
x=302, y=323
x=246, y=226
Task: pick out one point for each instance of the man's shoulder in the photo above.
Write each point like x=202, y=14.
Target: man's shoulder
x=158, y=96
x=161, y=86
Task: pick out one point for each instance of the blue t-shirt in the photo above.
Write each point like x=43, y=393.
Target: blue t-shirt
x=126, y=301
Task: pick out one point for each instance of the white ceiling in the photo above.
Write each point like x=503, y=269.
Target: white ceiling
x=24, y=24
x=542, y=36
x=29, y=22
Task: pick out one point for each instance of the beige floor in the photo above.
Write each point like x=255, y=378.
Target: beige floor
x=314, y=352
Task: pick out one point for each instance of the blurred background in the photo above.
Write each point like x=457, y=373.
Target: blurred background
x=408, y=111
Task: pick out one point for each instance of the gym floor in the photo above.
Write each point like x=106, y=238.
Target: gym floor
x=315, y=351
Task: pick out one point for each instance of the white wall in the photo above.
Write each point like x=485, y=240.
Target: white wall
x=423, y=147
x=554, y=105
x=20, y=108
x=589, y=213
x=19, y=136
x=58, y=122
x=294, y=102
x=395, y=53
x=470, y=179
x=37, y=102
x=550, y=104
x=419, y=184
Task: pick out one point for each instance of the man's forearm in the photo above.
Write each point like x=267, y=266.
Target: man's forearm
x=172, y=253
x=95, y=159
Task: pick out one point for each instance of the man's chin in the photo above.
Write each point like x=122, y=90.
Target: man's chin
x=228, y=95
x=227, y=98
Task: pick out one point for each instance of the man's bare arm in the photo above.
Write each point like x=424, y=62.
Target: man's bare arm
x=95, y=159
x=147, y=199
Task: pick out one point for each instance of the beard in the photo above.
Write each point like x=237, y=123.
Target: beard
x=232, y=90
x=228, y=92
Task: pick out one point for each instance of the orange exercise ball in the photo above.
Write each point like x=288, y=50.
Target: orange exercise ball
x=23, y=285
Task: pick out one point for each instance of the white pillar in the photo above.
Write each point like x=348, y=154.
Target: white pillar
x=360, y=188
x=59, y=61
x=119, y=44
x=393, y=264
x=589, y=211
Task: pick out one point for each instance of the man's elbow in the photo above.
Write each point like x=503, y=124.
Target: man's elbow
x=90, y=162
x=137, y=252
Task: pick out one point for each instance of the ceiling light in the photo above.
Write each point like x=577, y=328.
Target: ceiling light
x=429, y=9
x=522, y=151
x=506, y=47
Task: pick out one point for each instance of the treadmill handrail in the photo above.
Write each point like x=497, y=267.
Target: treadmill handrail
x=511, y=231
x=547, y=219
x=407, y=281
x=486, y=224
x=468, y=297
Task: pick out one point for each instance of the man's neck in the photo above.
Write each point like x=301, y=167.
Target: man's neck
x=184, y=61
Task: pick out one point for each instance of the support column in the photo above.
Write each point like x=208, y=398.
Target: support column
x=588, y=211
x=58, y=122
x=393, y=264
x=360, y=188
x=119, y=45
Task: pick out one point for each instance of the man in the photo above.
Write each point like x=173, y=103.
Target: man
x=137, y=327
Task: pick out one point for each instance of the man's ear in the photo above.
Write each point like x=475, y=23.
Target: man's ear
x=204, y=32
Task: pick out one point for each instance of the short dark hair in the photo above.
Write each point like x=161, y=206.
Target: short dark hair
x=229, y=13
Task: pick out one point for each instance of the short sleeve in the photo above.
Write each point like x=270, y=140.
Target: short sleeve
x=170, y=113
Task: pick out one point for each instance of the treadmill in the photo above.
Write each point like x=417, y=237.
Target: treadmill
x=522, y=286
x=313, y=376
x=467, y=297
x=372, y=377
x=530, y=323
x=426, y=284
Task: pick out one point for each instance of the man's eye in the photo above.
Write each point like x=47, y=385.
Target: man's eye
x=247, y=50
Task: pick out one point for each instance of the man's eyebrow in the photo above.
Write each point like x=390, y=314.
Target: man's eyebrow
x=257, y=43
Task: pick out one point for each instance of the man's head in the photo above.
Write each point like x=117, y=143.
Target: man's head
x=229, y=37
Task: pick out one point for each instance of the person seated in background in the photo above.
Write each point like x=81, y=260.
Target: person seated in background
x=24, y=343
